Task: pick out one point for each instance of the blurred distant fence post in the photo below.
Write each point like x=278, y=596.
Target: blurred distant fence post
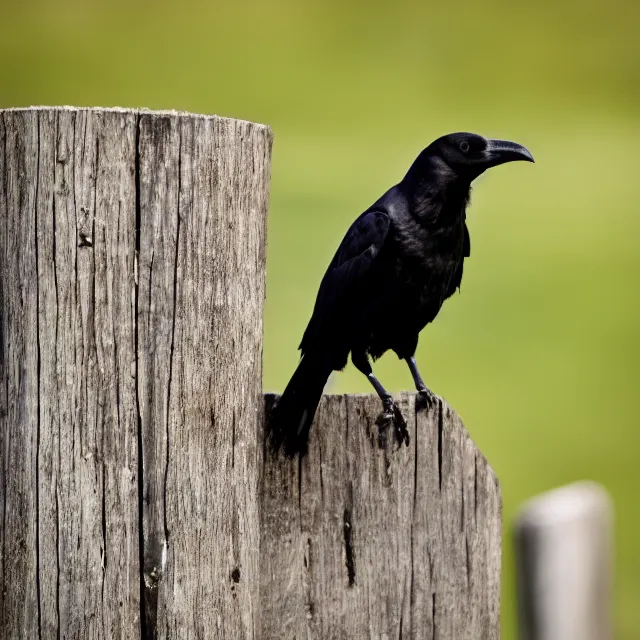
x=132, y=279
x=564, y=565
x=138, y=500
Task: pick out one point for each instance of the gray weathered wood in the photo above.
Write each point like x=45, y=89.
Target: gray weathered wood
x=564, y=564
x=203, y=196
x=360, y=541
x=131, y=290
x=19, y=363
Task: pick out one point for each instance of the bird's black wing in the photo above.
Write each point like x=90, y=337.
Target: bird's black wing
x=456, y=279
x=354, y=257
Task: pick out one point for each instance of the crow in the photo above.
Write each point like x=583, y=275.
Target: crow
x=397, y=264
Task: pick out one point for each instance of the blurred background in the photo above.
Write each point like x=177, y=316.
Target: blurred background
x=540, y=353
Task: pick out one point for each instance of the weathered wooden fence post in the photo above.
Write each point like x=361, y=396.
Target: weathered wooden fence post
x=132, y=264
x=132, y=269
x=563, y=543
x=359, y=541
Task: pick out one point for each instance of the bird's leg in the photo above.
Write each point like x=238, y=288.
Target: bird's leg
x=391, y=412
x=427, y=396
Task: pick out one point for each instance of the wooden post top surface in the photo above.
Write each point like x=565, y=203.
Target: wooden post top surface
x=131, y=110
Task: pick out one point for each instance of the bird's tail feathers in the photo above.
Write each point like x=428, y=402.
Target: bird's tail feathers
x=292, y=416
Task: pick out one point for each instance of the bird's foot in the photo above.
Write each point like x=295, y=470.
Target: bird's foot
x=426, y=399
x=392, y=415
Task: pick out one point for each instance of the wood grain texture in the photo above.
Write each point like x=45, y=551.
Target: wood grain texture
x=75, y=396
x=132, y=264
x=19, y=389
x=131, y=290
x=203, y=197
x=564, y=562
x=361, y=540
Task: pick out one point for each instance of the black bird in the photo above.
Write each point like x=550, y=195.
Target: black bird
x=399, y=261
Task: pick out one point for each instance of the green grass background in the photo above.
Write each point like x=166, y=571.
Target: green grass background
x=541, y=351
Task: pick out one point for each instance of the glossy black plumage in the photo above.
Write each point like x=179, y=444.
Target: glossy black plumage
x=397, y=264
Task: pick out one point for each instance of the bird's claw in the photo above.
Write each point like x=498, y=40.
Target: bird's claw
x=392, y=414
x=426, y=399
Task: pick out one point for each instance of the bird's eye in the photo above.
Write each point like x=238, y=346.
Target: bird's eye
x=464, y=146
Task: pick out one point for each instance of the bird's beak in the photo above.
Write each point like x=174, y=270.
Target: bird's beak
x=501, y=151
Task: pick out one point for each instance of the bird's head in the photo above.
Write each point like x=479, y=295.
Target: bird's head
x=468, y=154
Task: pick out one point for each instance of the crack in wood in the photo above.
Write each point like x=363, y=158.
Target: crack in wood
x=147, y=608
x=38, y=383
x=475, y=487
x=165, y=475
x=4, y=410
x=57, y=564
x=467, y=561
x=347, y=532
x=433, y=617
x=440, y=429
